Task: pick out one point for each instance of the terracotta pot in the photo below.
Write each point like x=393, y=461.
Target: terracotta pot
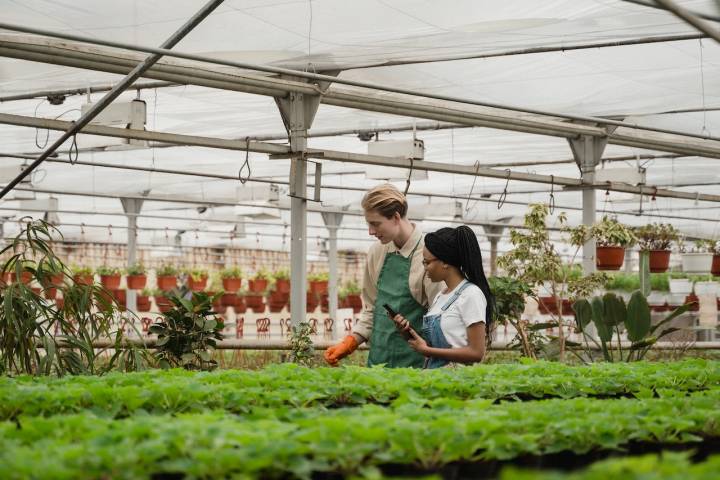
x=659, y=261
x=60, y=302
x=232, y=284
x=282, y=286
x=84, y=279
x=163, y=304
x=50, y=293
x=311, y=302
x=36, y=290
x=143, y=303
x=111, y=282
x=547, y=305
x=166, y=282
x=258, y=285
x=240, y=306
x=254, y=301
x=228, y=299
x=25, y=277
x=197, y=285
x=136, y=282
x=276, y=307
x=354, y=302
x=120, y=294
x=319, y=287
x=715, y=269
x=609, y=258
x=694, y=301
x=324, y=303
x=57, y=280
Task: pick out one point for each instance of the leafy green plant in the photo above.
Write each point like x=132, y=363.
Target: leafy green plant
x=656, y=236
x=510, y=295
x=611, y=233
x=282, y=274
x=318, y=277
x=136, y=269
x=302, y=351
x=81, y=270
x=197, y=274
x=609, y=314
x=262, y=274
x=106, y=270
x=623, y=281
x=188, y=332
x=166, y=270
x=38, y=337
x=231, y=272
x=534, y=261
x=147, y=292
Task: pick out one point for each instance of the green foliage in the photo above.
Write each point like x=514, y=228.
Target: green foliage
x=301, y=345
x=136, y=269
x=350, y=287
x=656, y=236
x=626, y=282
x=510, y=297
x=106, y=270
x=611, y=233
x=187, y=333
x=231, y=272
x=262, y=274
x=81, y=270
x=38, y=337
x=318, y=277
x=660, y=282
x=196, y=274
x=166, y=270
x=282, y=274
x=609, y=313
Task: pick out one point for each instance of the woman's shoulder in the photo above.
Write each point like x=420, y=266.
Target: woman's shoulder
x=472, y=291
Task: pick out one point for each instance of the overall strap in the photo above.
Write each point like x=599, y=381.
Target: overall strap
x=456, y=295
x=415, y=248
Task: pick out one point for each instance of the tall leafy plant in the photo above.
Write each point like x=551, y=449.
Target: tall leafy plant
x=40, y=337
x=534, y=260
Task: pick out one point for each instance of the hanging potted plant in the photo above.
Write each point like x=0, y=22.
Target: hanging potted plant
x=143, y=300
x=612, y=238
x=197, y=279
x=311, y=302
x=162, y=301
x=351, y=291
x=109, y=277
x=231, y=278
x=83, y=275
x=166, y=277
x=318, y=283
x=136, y=278
x=282, y=281
x=259, y=282
x=699, y=258
x=714, y=247
x=657, y=238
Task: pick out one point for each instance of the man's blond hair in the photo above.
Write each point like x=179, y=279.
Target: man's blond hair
x=386, y=200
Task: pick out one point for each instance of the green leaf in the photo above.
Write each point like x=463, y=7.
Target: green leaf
x=637, y=322
x=583, y=313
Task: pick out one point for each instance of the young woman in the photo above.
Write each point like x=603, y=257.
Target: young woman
x=394, y=275
x=457, y=327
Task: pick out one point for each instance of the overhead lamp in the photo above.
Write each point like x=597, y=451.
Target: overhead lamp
x=132, y=115
x=406, y=149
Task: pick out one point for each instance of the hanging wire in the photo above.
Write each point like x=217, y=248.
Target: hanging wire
x=246, y=164
x=640, y=210
x=407, y=182
x=503, y=195
x=472, y=187
x=37, y=130
x=702, y=86
x=73, y=146
x=551, y=203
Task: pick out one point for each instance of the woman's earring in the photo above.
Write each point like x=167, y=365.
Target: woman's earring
x=445, y=265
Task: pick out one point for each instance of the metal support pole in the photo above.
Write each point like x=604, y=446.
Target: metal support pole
x=132, y=207
x=493, y=233
x=123, y=85
x=587, y=152
x=332, y=221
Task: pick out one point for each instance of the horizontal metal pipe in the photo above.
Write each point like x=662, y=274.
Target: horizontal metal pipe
x=82, y=91
x=332, y=79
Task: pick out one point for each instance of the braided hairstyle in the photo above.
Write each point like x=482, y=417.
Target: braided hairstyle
x=459, y=247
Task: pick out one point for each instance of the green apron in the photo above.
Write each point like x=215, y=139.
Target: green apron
x=387, y=345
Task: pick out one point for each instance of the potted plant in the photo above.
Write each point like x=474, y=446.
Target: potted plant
x=83, y=275
x=259, y=282
x=612, y=237
x=109, y=277
x=254, y=299
x=311, y=302
x=231, y=278
x=714, y=247
x=166, y=277
x=197, y=279
x=162, y=300
x=136, y=278
x=282, y=281
x=318, y=283
x=143, y=300
x=657, y=238
x=351, y=292
x=699, y=258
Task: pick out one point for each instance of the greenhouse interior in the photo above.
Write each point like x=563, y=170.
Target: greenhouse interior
x=316, y=239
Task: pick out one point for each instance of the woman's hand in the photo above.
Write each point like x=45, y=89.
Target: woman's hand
x=417, y=343
x=401, y=323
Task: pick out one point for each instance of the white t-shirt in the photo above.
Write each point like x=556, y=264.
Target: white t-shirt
x=467, y=310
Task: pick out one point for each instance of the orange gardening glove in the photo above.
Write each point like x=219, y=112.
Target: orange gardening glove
x=337, y=352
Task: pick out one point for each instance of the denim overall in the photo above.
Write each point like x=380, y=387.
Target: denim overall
x=433, y=333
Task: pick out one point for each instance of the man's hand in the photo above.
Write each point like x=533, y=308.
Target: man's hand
x=334, y=354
